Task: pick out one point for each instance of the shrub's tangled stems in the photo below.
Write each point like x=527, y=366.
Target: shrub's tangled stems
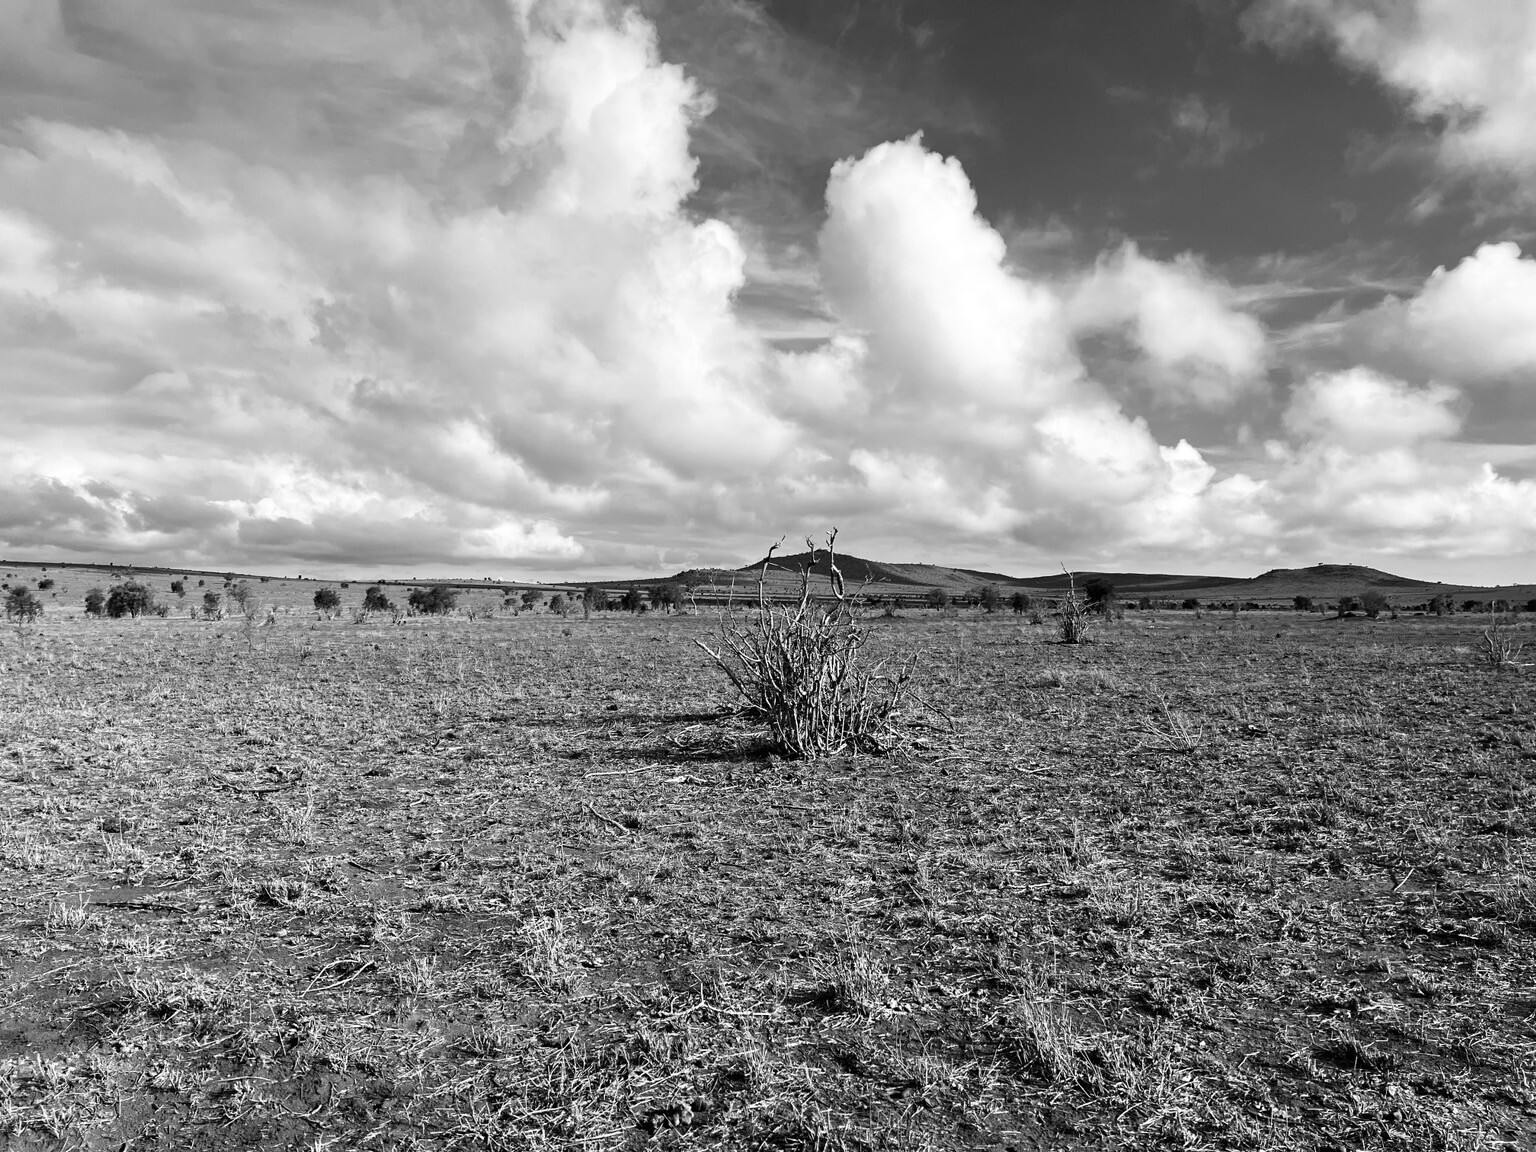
x=1500, y=649
x=797, y=669
x=1072, y=616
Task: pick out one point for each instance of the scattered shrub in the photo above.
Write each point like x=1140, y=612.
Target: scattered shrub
x=437, y=600
x=1072, y=616
x=594, y=599
x=95, y=602
x=531, y=598
x=668, y=596
x=937, y=598
x=240, y=595
x=1020, y=603
x=327, y=599
x=989, y=598
x=797, y=669
x=558, y=604
x=179, y=587
x=44, y=584
x=632, y=601
x=1373, y=603
x=1100, y=594
x=211, y=602
x=374, y=600
x=130, y=598
x=1303, y=603
x=22, y=605
x=1192, y=604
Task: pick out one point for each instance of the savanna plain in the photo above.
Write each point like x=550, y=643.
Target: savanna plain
x=1260, y=881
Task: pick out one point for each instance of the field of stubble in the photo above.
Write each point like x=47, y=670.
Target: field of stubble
x=523, y=883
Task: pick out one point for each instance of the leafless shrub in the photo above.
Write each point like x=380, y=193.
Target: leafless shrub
x=798, y=669
x=1499, y=648
x=1072, y=616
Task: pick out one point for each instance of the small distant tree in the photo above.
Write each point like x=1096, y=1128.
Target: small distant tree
x=240, y=595
x=95, y=602
x=1145, y=603
x=1099, y=593
x=1372, y=603
x=1191, y=604
x=45, y=583
x=1019, y=602
x=22, y=605
x=1303, y=603
x=374, y=600
x=594, y=599
x=989, y=598
x=327, y=599
x=438, y=600
x=130, y=598
x=668, y=596
x=179, y=587
x=1347, y=604
x=632, y=600
x=531, y=598
x=1471, y=605
x=558, y=604
x=937, y=598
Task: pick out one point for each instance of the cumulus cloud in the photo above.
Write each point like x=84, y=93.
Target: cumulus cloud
x=1474, y=323
x=1198, y=346
x=459, y=305
x=1365, y=411
x=1471, y=65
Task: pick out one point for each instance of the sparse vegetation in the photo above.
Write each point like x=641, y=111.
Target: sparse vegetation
x=375, y=600
x=95, y=602
x=327, y=599
x=438, y=600
x=799, y=670
x=130, y=598
x=1263, y=883
x=21, y=604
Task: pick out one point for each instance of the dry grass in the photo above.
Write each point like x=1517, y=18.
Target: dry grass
x=512, y=884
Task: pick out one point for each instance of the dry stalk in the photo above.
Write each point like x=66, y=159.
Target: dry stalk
x=1072, y=616
x=797, y=668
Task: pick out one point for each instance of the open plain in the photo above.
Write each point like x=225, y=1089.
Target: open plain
x=1256, y=881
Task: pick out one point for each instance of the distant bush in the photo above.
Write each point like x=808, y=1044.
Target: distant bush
x=937, y=598
x=374, y=600
x=531, y=597
x=1373, y=603
x=130, y=598
x=1303, y=603
x=1471, y=605
x=95, y=602
x=1019, y=602
x=1191, y=604
x=989, y=598
x=327, y=599
x=558, y=604
x=240, y=594
x=179, y=587
x=44, y=584
x=437, y=600
x=632, y=600
x=211, y=602
x=21, y=604
x=594, y=599
x=668, y=596
x=1099, y=592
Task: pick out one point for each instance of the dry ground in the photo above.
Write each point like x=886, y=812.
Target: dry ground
x=1256, y=883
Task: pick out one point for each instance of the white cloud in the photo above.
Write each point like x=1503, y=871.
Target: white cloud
x=1471, y=63
x=1199, y=347
x=1473, y=323
x=1363, y=410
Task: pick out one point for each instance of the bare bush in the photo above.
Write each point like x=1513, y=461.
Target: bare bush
x=1499, y=648
x=1072, y=616
x=798, y=669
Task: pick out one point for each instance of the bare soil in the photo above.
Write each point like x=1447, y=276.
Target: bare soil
x=1259, y=882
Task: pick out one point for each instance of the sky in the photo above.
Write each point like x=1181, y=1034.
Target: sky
x=564, y=288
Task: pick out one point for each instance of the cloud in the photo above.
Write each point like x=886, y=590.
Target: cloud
x=433, y=285
x=1474, y=323
x=1468, y=66
x=1365, y=411
x=1198, y=346
x=1207, y=132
